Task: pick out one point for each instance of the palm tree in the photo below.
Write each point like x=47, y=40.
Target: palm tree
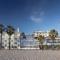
x=1, y=31
x=23, y=35
x=40, y=38
x=10, y=30
x=53, y=34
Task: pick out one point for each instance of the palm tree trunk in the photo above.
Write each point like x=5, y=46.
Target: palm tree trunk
x=41, y=46
x=53, y=44
x=9, y=41
x=1, y=40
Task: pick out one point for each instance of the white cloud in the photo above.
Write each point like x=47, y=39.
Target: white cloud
x=37, y=17
x=41, y=13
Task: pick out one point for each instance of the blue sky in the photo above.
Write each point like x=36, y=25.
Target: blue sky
x=31, y=15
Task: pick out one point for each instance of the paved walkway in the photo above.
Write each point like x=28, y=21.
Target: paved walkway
x=29, y=55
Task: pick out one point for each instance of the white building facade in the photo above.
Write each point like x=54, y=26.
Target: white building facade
x=29, y=42
x=47, y=40
x=37, y=33
x=14, y=41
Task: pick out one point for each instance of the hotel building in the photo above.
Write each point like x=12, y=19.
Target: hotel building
x=37, y=33
x=14, y=42
x=17, y=42
x=47, y=40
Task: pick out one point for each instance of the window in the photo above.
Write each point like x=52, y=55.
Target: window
x=5, y=40
x=12, y=46
x=15, y=43
x=2, y=46
x=5, y=45
x=18, y=44
x=15, y=38
x=11, y=40
x=2, y=42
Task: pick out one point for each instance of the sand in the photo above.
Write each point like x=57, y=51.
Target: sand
x=29, y=55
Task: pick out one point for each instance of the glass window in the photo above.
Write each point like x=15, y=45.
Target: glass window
x=18, y=45
x=5, y=45
x=15, y=43
x=11, y=40
x=12, y=46
x=5, y=40
x=15, y=38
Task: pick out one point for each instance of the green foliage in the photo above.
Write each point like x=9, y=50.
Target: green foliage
x=10, y=30
x=45, y=46
x=1, y=28
x=41, y=39
x=23, y=35
x=53, y=33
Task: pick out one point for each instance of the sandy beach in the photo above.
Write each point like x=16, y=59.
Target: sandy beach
x=29, y=55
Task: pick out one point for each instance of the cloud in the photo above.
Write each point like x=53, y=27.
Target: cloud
x=41, y=13
x=37, y=17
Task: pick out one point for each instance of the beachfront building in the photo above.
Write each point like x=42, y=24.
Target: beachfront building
x=28, y=41
x=14, y=42
x=50, y=42
x=37, y=33
x=47, y=40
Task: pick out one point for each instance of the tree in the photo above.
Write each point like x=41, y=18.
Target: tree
x=23, y=35
x=10, y=30
x=53, y=34
x=1, y=31
x=40, y=38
